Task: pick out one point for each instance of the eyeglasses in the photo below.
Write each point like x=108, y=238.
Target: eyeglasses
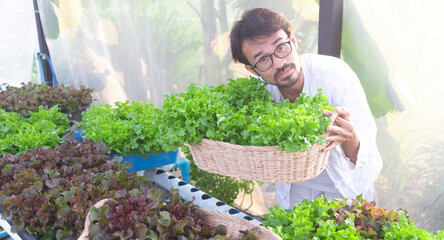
x=266, y=62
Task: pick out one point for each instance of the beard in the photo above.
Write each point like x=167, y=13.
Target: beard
x=290, y=80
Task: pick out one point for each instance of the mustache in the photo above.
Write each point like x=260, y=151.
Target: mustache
x=283, y=68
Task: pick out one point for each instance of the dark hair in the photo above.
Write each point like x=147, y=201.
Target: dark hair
x=257, y=22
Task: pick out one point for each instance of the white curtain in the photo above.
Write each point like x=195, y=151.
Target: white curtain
x=18, y=41
x=404, y=44
x=144, y=49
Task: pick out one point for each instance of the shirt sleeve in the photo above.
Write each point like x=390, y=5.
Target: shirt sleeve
x=354, y=179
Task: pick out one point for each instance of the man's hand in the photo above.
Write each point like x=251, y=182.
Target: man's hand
x=343, y=132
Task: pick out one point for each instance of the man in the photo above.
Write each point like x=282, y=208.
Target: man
x=263, y=41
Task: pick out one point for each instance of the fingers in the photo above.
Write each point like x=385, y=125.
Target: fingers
x=327, y=113
x=342, y=120
x=341, y=130
x=343, y=113
x=333, y=141
x=340, y=124
x=330, y=146
x=340, y=111
x=336, y=138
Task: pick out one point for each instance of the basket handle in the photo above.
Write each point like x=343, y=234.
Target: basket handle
x=334, y=115
x=85, y=233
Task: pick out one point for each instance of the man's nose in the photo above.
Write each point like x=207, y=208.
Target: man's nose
x=279, y=62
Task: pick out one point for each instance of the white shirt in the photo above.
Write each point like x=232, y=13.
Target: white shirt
x=341, y=178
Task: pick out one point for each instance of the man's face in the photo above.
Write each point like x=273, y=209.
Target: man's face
x=285, y=72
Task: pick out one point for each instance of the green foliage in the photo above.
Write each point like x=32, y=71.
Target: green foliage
x=405, y=229
x=129, y=127
x=47, y=191
x=29, y=97
x=323, y=218
x=243, y=112
x=43, y=128
x=221, y=187
x=309, y=220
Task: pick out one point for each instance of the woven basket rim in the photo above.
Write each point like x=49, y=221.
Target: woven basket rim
x=266, y=148
x=256, y=148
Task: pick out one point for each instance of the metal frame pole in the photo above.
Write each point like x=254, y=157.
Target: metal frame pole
x=330, y=27
x=46, y=68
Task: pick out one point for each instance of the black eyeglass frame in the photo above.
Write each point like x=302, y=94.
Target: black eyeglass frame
x=274, y=53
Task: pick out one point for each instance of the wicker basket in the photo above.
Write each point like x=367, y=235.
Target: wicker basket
x=265, y=163
x=85, y=233
x=235, y=224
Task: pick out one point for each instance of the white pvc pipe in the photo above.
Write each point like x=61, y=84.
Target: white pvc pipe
x=7, y=228
x=191, y=193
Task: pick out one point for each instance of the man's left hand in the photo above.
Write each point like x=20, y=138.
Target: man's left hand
x=342, y=132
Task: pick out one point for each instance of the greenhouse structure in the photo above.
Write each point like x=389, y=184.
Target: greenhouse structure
x=221, y=119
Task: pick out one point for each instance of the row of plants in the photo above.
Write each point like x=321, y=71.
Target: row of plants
x=48, y=192
x=324, y=218
x=44, y=128
x=39, y=115
x=128, y=127
x=30, y=97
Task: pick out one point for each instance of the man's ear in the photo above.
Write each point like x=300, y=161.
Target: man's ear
x=293, y=40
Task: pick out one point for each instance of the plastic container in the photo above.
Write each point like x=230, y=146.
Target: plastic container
x=151, y=161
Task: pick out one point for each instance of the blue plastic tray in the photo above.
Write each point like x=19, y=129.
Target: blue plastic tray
x=151, y=161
